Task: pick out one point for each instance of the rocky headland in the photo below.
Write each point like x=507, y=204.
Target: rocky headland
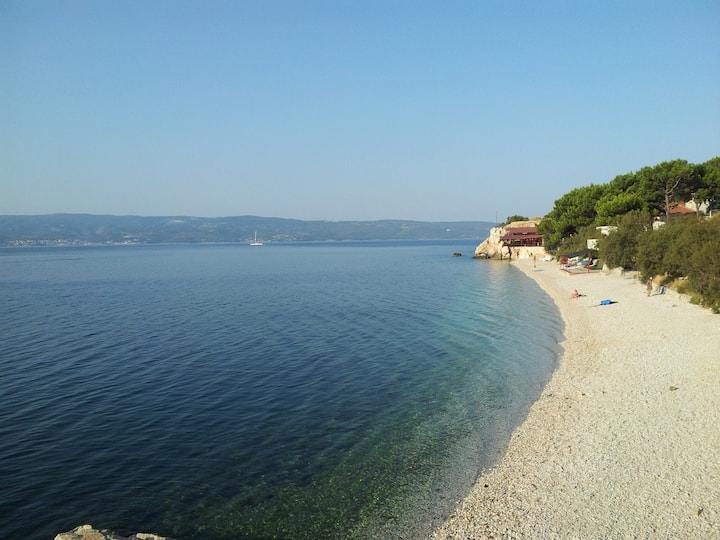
x=493, y=247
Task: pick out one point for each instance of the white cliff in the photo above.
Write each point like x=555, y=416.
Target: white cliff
x=491, y=247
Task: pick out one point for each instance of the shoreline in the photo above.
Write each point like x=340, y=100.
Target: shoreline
x=625, y=438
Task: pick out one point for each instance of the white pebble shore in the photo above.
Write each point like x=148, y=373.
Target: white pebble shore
x=624, y=441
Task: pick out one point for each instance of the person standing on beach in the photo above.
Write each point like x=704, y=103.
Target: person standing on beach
x=649, y=286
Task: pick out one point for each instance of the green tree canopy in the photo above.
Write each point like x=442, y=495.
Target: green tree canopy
x=688, y=248
x=516, y=217
x=651, y=190
x=620, y=248
x=709, y=189
x=615, y=204
x=667, y=183
x=572, y=211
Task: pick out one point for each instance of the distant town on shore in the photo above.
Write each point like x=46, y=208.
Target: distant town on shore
x=90, y=229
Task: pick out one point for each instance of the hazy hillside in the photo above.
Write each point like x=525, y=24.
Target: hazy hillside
x=59, y=229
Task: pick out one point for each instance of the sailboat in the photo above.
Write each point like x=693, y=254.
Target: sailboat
x=256, y=242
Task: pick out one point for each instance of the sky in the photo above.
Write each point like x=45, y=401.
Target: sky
x=446, y=110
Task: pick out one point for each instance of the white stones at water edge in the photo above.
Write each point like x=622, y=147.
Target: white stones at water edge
x=87, y=532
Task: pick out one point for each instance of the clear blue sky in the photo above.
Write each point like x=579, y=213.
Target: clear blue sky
x=428, y=110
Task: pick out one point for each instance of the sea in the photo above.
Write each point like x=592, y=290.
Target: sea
x=344, y=390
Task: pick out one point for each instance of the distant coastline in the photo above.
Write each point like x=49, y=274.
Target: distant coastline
x=60, y=230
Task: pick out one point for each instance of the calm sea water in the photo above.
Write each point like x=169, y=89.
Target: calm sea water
x=288, y=391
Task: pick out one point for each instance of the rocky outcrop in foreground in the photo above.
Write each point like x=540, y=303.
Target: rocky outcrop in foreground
x=86, y=532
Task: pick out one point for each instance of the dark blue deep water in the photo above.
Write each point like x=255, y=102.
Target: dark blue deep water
x=287, y=391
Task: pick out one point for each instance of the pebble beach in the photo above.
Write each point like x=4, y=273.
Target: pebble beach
x=624, y=441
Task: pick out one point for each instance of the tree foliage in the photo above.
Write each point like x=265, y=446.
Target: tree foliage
x=687, y=248
x=620, y=248
x=571, y=212
x=650, y=190
x=516, y=217
x=617, y=204
x=710, y=186
x=668, y=183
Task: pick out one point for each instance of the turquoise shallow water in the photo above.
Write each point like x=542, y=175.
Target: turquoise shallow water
x=289, y=391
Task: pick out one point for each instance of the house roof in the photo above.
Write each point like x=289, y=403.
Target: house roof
x=520, y=231
x=521, y=234
x=680, y=209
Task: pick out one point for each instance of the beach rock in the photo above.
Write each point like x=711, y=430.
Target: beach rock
x=87, y=532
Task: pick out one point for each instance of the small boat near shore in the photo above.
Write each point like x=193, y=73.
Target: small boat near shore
x=256, y=242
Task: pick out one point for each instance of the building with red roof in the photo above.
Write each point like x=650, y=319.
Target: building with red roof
x=522, y=237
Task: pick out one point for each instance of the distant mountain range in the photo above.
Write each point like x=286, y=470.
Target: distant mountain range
x=90, y=229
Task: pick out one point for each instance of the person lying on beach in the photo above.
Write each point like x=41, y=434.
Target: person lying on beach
x=575, y=294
